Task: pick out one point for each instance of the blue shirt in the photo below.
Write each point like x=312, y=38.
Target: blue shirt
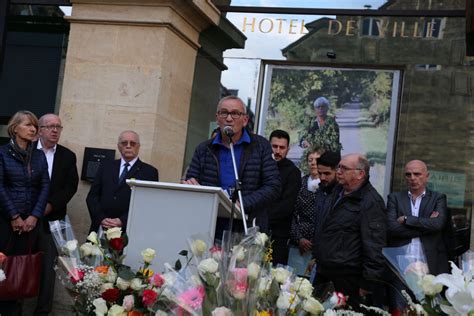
x=226, y=169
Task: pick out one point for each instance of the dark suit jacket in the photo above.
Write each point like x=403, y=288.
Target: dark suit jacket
x=109, y=199
x=431, y=231
x=64, y=181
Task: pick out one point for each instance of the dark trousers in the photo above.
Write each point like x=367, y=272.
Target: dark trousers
x=280, y=250
x=44, y=303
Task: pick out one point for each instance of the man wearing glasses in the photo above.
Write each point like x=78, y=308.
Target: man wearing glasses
x=211, y=164
x=109, y=197
x=352, y=234
x=418, y=218
x=64, y=180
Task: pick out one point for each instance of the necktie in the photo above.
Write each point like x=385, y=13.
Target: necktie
x=124, y=173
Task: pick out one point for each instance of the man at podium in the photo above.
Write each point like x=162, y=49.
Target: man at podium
x=211, y=164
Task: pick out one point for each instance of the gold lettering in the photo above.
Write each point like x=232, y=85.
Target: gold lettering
x=402, y=30
x=339, y=27
x=383, y=27
x=244, y=26
x=415, y=30
x=292, y=26
x=350, y=27
x=280, y=24
x=394, y=33
x=302, y=29
x=260, y=25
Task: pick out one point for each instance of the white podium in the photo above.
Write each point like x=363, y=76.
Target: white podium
x=163, y=215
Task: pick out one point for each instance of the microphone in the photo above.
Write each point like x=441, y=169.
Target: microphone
x=228, y=131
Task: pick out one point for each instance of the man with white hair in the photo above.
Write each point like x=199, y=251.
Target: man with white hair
x=109, y=197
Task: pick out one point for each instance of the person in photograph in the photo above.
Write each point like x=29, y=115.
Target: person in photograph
x=109, y=196
x=211, y=164
x=305, y=215
x=323, y=131
x=419, y=219
x=24, y=186
x=281, y=210
x=352, y=235
x=62, y=171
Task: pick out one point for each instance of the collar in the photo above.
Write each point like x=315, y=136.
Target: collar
x=422, y=195
x=131, y=162
x=40, y=146
x=245, y=138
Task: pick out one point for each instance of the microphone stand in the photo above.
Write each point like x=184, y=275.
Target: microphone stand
x=237, y=192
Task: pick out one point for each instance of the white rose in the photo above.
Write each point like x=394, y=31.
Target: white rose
x=253, y=270
x=283, y=301
x=100, y=306
x=105, y=286
x=136, y=284
x=198, y=247
x=148, y=254
x=111, y=276
x=239, y=253
x=261, y=239
x=93, y=238
x=330, y=312
x=264, y=285
x=428, y=287
x=304, y=287
x=281, y=274
x=222, y=311
x=122, y=284
x=71, y=246
x=2, y=276
x=114, y=232
x=96, y=251
x=86, y=249
x=208, y=265
x=116, y=310
x=312, y=306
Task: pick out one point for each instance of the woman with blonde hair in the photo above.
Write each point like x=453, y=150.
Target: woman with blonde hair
x=24, y=185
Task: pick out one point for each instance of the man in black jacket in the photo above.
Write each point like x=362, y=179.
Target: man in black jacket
x=281, y=210
x=109, y=197
x=64, y=180
x=349, y=247
x=212, y=164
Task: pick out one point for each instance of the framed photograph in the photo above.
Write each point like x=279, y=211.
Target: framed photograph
x=350, y=110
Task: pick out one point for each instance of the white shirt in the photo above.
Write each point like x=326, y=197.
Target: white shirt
x=414, y=247
x=49, y=153
x=123, y=162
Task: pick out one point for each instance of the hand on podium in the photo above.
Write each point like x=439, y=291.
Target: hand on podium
x=190, y=181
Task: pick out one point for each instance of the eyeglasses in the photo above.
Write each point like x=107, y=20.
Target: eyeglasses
x=225, y=114
x=126, y=143
x=344, y=168
x=51, y=127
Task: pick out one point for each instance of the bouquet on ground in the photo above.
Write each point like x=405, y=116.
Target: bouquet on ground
x=97, y=279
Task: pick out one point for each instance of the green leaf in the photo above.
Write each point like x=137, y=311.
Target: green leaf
x=177, y=265
x=125, y=273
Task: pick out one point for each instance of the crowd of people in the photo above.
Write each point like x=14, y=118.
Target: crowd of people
x=331, y=219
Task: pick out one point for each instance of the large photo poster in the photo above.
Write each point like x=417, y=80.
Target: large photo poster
x=340, y=109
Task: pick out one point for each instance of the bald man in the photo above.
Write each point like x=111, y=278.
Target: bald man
x=418, y=218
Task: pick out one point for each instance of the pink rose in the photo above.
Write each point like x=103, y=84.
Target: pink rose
x=157, y=280
x=128, y=302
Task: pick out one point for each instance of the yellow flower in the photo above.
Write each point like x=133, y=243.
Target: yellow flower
x=147, y=272
x=263, y=313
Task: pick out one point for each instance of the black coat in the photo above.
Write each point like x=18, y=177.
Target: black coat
x=353, y=234
x=64, y=181
x=109, y=199
x=258, y=173
x=281, y=210
x=435, y=233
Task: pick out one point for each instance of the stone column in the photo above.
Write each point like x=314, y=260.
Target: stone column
x=130, y=65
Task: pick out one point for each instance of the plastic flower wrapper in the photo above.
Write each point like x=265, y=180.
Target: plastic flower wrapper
x=91, y=252
x=199, y=245
x=467, y=262
x=409, y=268
x=64, y=239
x=186, y=292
